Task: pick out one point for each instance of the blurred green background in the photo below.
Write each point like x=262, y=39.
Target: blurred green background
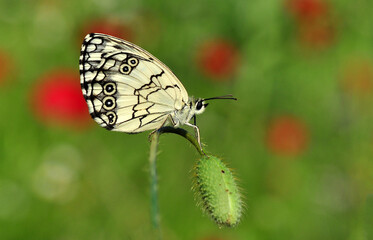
x=300, y=138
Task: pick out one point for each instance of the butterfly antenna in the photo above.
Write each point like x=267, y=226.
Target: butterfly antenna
x=229, y=96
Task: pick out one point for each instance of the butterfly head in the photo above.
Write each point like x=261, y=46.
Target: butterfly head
x=200, y=104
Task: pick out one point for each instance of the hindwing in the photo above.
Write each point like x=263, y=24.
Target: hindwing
x=126, y=88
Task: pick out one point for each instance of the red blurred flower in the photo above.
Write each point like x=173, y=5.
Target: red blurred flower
x=6, y=66
x=357, y=77
x=307, y=10
x=113, y=27
x=314, y=23
x=287, y=136
x=316, y=36
x=218, y=59
x=57, y=99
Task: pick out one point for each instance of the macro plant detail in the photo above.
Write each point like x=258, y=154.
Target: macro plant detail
x=217, y=191
x=129, y=90
x=214, y=184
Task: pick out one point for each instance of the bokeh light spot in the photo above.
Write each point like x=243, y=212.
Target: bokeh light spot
x=287, y=136
x=56, y=178
x=218, y=59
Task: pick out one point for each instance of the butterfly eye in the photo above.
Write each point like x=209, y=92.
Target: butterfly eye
x=125, y=68
x=133, y=62
x=109, y=103
x=112, y=117
x=109, y=88
x=199, y=105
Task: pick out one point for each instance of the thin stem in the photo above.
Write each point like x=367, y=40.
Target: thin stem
x=154, y=138
x=183, y=133
x=154, y=183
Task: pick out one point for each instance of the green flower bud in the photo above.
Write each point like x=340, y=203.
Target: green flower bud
x=217, y=192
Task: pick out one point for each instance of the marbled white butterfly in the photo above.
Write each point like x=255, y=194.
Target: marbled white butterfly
x=129, y=90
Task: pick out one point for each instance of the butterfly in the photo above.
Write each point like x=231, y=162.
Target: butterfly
x=129, y=90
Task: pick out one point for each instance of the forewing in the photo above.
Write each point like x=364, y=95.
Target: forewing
x=126, y=88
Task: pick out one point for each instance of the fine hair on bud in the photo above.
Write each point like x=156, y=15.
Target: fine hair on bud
x=217, y=192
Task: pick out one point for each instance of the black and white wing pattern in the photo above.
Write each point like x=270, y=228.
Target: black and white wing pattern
x=126, y=88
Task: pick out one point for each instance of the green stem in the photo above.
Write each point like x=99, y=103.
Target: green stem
x=154, y=138
x=154, y=184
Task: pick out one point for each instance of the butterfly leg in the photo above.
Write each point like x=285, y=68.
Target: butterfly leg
x=196, y=129
x=151, y=134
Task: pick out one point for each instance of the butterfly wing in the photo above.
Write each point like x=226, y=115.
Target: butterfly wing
x=126, y=88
